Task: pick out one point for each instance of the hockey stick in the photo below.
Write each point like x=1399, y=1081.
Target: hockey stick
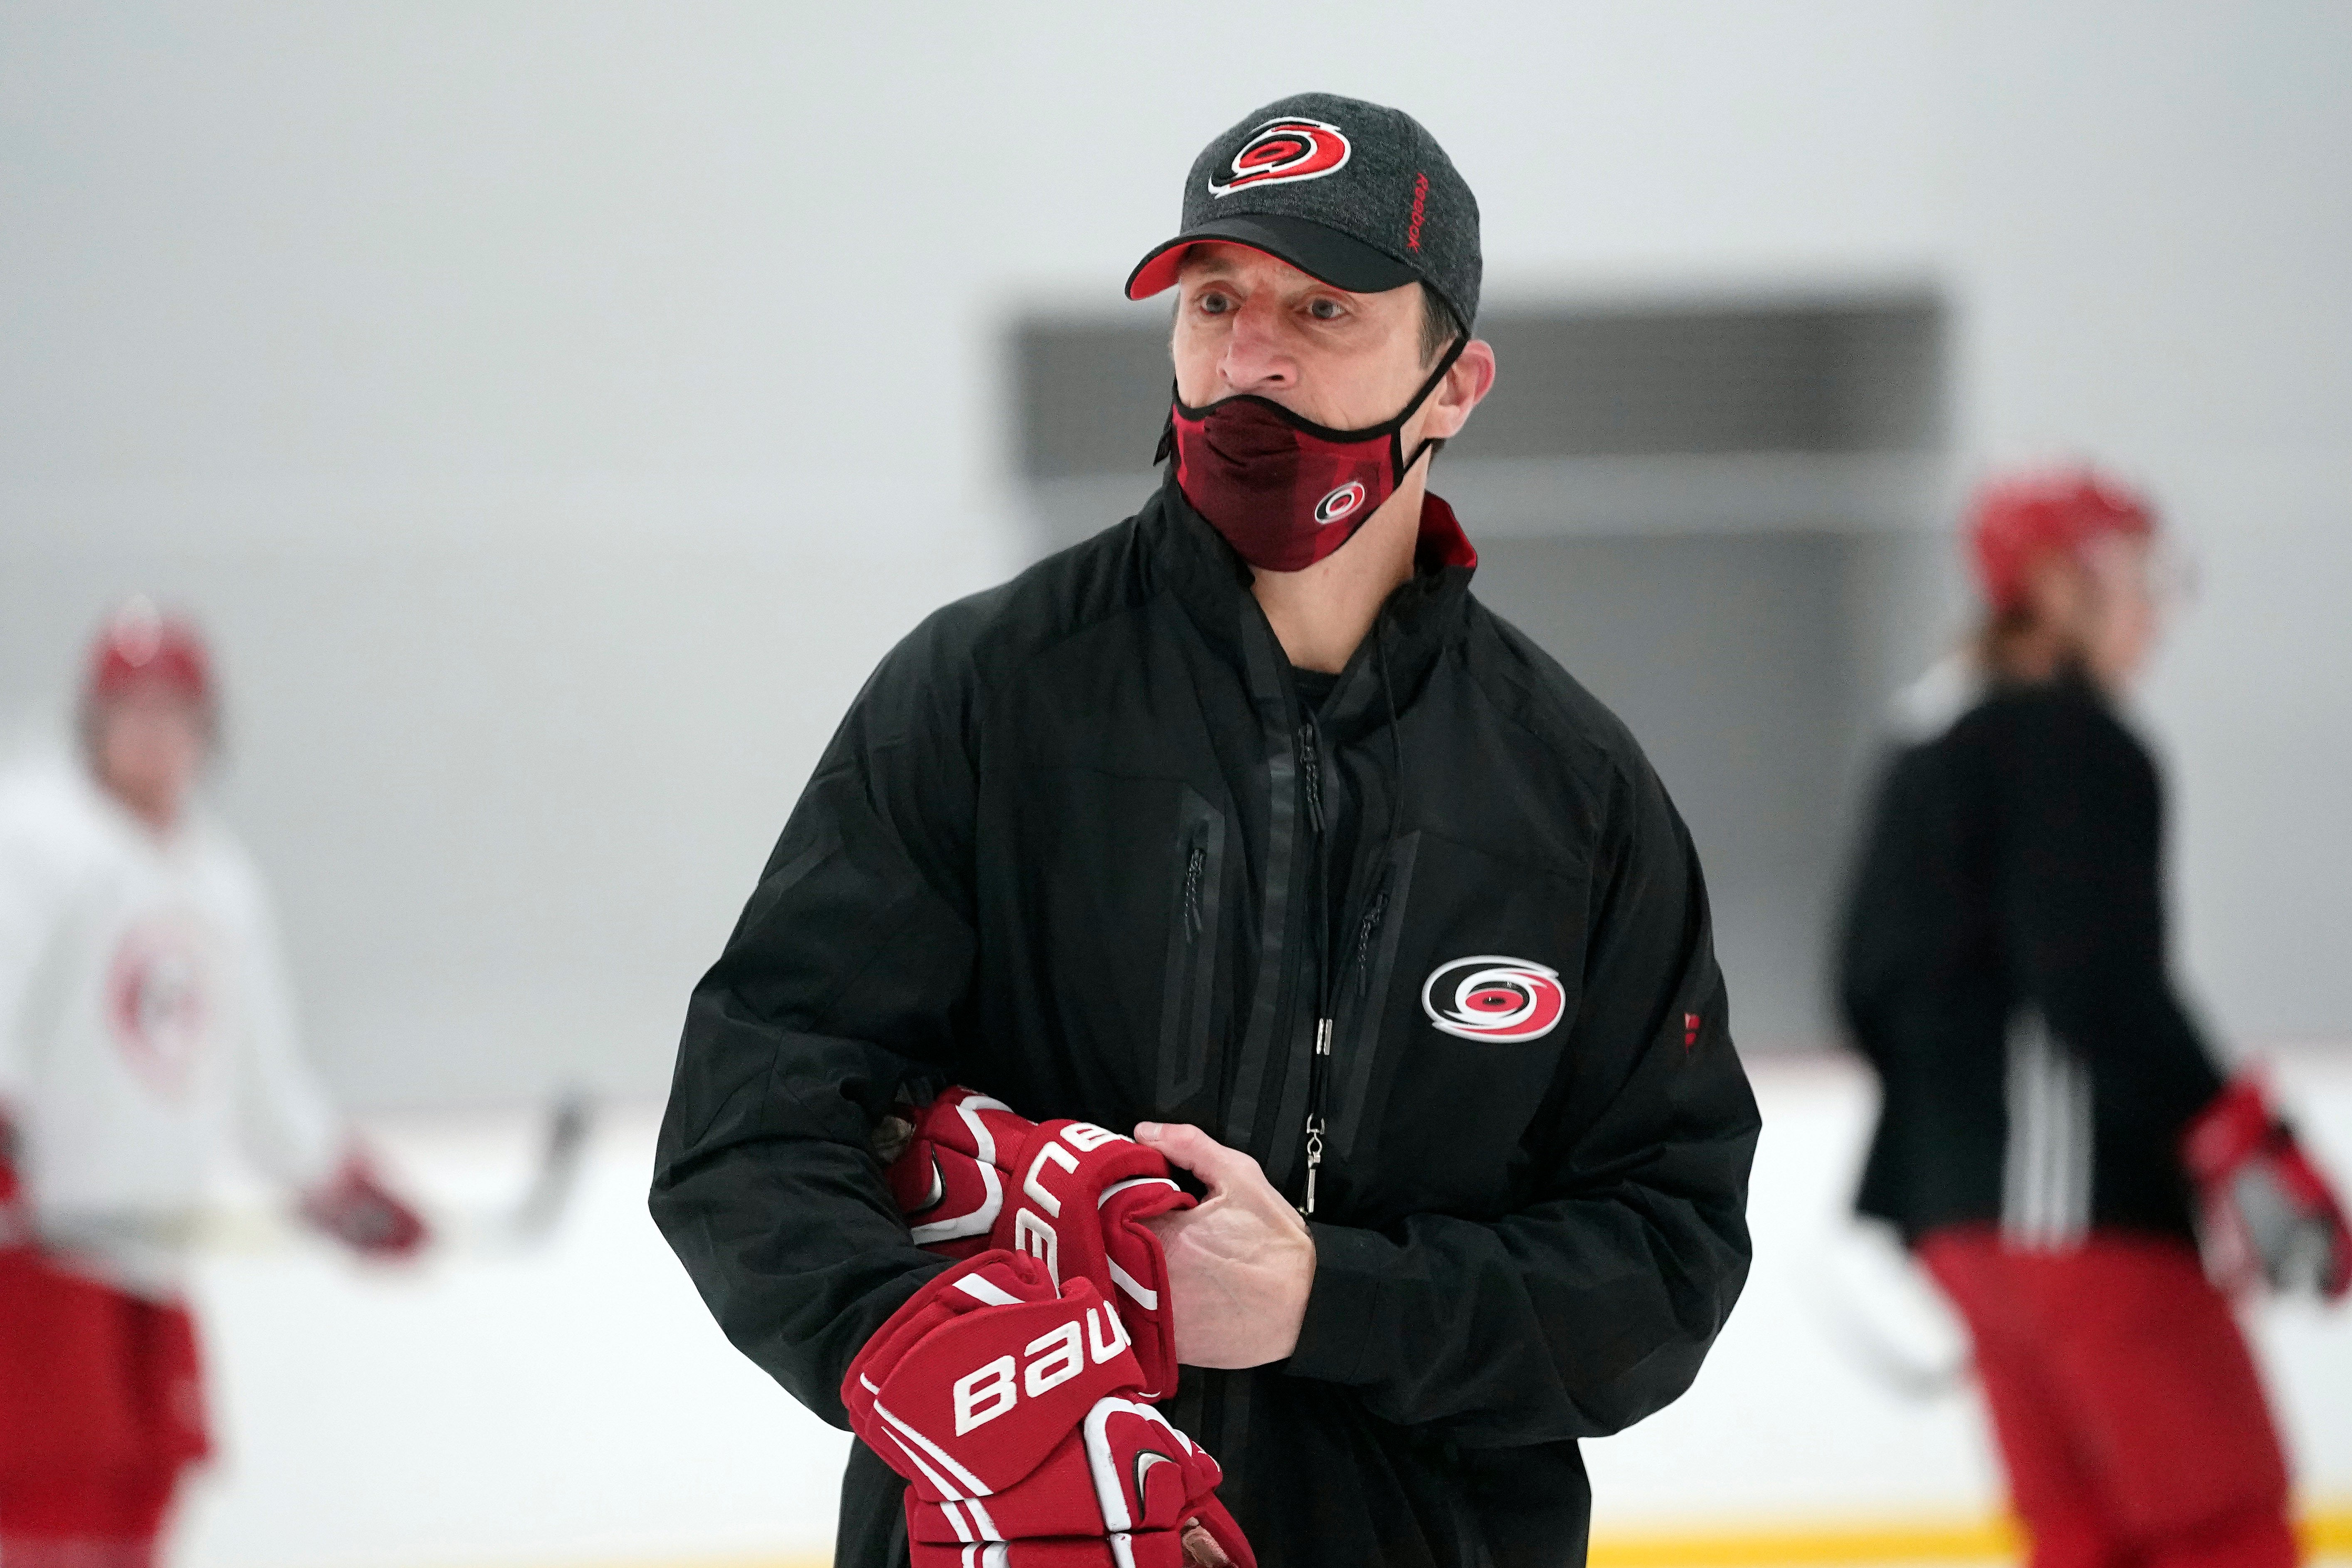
x=1879, y=1311
x=250, y=1229
x=533, y=1218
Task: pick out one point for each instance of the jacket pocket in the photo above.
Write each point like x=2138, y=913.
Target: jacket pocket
x=1188, y=990
x=1370, y=967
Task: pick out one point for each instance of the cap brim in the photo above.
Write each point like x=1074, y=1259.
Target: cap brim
x=1317, y=250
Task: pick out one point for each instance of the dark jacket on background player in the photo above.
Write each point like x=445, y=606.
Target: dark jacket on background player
x=1081, y=844
x=2003, y=968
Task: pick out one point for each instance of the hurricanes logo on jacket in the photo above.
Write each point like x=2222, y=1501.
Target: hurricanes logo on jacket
x=1491, y=997
x=1287, y=150
x=155, y=994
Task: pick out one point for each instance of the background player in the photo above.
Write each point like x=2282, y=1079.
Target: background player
x=143, y=1016
x=2051, y=1116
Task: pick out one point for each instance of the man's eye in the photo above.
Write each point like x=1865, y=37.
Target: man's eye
x=1324, y=310
x=1214, y=304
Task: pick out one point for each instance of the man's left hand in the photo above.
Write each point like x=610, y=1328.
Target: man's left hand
x=1240, y=1264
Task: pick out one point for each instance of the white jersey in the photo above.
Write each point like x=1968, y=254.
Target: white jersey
x=144, y=1021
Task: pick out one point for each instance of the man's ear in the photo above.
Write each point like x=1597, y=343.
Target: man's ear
x=1466, y=384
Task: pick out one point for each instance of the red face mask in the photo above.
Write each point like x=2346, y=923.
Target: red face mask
x=1285, y=491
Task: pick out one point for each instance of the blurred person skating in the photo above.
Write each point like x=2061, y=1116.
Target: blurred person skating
x=143, y=1018
x=1245, y=825
x=2054, y=1132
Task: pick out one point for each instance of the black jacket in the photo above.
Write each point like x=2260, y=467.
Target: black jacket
x=1071, y=845
x=2003, y=968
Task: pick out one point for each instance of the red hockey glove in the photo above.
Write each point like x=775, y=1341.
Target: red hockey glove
x=358, y=1210
x=1009, y=1407
x=1074, y=1195
x=948, y=1182
x=2268, y=1213
x=1124, y=1490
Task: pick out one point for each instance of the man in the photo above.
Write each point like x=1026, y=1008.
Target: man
x=142, y=1015
x=1244, y=824
x=2050, y=1111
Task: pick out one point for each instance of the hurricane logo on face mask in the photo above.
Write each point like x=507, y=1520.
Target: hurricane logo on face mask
x=1340, y=504
x=1491, y=997
x=1287, y=150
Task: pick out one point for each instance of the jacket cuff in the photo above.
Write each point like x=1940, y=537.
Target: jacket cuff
x=1335, y=1337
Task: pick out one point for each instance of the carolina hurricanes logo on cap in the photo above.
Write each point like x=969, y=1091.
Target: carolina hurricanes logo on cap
x=1493, y=998
x=1341, y=502
x=1287, y=150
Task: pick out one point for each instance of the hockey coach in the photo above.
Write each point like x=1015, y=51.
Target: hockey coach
x=1245, y=826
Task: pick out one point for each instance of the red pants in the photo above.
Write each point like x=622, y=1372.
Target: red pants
x=2129, y=1414
x=101, y=1407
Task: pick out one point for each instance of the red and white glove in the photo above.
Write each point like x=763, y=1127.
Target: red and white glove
x=357, y=1209
x=1012, y=1410
x=2268, y=1213
x=1072, y=1194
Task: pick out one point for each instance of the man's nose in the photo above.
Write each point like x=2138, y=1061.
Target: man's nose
x=1256, y=359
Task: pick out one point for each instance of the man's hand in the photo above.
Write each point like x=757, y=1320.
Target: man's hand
x=1240, y=1264
x=1200, y=1548
x=357, y=1209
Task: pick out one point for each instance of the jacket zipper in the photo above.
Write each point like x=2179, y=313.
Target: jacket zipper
x=1318, y=1072
x=1310, y=775
x=1193, y=866
x=1368, y=928
x=1190, y=970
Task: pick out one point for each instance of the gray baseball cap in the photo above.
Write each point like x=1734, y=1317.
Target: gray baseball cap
x=1354, y=194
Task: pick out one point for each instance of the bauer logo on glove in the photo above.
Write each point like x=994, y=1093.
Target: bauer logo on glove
x=1011, y=1408
x=1075, y=1196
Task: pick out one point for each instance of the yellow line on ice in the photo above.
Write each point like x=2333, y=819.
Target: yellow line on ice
x=2327, y=1532
x=1826, y=1542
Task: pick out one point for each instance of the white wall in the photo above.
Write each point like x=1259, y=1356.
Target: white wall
x=556, y=408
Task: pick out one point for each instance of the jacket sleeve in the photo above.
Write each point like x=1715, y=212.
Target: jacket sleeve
x=1593, y=1304
x=2079, y=891
x=30, y=910
x=285, y=1120
x=840, y=984
x=1872, y=952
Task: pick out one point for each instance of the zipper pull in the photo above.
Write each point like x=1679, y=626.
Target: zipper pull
x=1193, y=868
x=1364, y=941
x=1314, y=1163
x=1315, y=1112
x=1310, y=772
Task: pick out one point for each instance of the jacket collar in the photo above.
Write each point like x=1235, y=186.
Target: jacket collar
x=1414, y=627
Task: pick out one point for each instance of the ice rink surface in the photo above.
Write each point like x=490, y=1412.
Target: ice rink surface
x=575, y=1406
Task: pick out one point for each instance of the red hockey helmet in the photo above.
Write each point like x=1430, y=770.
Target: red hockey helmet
x=2013, y=521
x=139, y=643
